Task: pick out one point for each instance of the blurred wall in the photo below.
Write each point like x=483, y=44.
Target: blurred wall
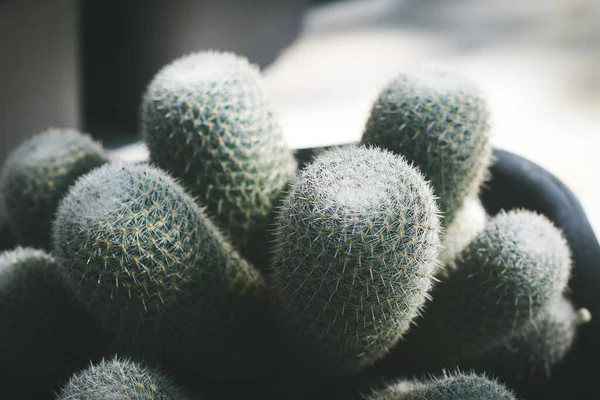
x=38, y=68
x=126, y=42
x=69, y=63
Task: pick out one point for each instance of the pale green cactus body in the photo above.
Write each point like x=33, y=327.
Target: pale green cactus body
x=206, y=119
x=146, y=260
x=440, y=121
x=357, y=243
x=469, y=222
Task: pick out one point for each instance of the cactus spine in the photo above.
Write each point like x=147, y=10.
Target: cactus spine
x=37, y=174
x=205, y=118
x=357, y=242
x=455, y=386
x=438, y=120
x=120, y=378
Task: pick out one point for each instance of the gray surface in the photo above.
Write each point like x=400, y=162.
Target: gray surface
x=537, y=62
x=38, y=68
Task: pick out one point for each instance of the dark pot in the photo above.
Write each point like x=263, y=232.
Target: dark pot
x=519, y=183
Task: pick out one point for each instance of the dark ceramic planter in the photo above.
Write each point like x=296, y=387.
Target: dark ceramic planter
x=519, y=183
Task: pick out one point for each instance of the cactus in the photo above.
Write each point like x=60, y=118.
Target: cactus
x=144, y=257
x=503, y=279
x=357, y=239
x=438, y=120
x=455, y=386
x=120, y=378
x=43, y=334
x=206, y=120
x=470, y=221
x=533, y=351
x=37, y=174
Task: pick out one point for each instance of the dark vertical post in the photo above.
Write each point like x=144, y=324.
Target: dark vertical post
x=39, y=74
x=125, y=43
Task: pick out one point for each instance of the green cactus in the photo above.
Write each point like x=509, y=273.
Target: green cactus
x=502, y=280
x=148, y=262
x=357, y=240
x=37, y=174
x=455, y=386
x=438, y=120
x=43, y=334
x=470, y=221
x=534, y=350
x=206, y=120
x=120, y=378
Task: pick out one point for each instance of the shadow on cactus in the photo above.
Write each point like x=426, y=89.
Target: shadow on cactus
x=43, y=334
x=530, y=354
x=506, y=276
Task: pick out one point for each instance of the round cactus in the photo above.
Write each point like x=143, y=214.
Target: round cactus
x=120, y=378
x=43, y=333
x=502, y=280
x=37, y=174
x=533, y=351
x=470, y=221
x=357, y=240
x=438, y=120
x=206, y=120
x=144, y=258
x=456, y=386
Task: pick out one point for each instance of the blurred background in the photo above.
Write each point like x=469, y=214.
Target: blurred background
x=85, y=64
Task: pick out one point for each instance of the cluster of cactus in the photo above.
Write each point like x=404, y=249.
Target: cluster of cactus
x=510, y=274
x=219, y=260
